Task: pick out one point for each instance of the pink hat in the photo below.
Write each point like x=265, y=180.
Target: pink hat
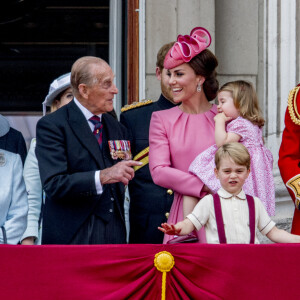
x=187, y=47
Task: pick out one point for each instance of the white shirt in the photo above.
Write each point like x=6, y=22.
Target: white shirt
x=87, y=114
x=235, y=213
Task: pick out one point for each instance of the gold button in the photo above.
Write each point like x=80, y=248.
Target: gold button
x=170, y=192
x=167, y=215
x=299, y=183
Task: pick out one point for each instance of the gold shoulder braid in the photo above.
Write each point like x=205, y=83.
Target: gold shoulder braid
x=294, y=185
x=292, y=105
x=135, y=105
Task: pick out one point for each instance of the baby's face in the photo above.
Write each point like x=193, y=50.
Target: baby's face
x=232, y=176
x=226, y=105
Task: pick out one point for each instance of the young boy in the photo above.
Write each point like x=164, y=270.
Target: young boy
x=238, y=217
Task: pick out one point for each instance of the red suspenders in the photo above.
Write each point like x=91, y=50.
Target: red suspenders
x=220, y=222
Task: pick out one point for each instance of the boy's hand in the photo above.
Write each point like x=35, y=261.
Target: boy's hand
x=169, y=229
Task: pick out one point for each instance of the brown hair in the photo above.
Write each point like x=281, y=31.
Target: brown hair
x=161, y=54
x=82, y=72
x=205, y=64
x=236, y=151
x=245, y=100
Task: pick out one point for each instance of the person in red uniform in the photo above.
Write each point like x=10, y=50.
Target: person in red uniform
x=289, y=153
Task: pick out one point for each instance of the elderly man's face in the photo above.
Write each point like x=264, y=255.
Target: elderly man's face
x=101, y=94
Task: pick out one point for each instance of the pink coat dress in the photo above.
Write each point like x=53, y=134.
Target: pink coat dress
x=260, y=182
x=175, y=140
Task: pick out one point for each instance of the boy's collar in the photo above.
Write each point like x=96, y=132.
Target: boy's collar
x=224, y=194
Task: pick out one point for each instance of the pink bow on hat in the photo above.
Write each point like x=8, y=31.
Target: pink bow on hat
x=187, y=47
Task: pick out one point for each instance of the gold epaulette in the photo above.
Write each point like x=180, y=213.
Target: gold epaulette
x=136, y=104
x=292, y=105
x=294, y=185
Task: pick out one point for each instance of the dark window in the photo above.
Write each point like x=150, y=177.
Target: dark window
x=40, y=40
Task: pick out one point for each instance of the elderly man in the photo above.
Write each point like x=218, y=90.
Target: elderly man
x=84, y=183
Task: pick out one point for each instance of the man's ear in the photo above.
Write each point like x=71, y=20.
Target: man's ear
x=158, y=73
x=216, y=173
x=83, y=90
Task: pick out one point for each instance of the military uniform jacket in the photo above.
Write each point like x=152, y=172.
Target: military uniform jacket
x=289, y=153
x=149, y=202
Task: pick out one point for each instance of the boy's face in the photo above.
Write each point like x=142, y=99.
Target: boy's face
x=232, y=176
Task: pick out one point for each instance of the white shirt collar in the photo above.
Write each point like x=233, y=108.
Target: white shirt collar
x=85, y=111
x=224, y=194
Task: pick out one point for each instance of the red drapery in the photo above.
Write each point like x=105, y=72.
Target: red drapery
x=128, y=272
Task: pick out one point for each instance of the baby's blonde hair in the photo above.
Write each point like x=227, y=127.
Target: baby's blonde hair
x=245, y=100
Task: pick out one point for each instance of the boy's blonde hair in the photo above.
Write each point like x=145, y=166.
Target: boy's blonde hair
x=236, y=151
x=245, y=100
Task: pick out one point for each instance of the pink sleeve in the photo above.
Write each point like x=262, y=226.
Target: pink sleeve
x=162, y=172
x=238, y=126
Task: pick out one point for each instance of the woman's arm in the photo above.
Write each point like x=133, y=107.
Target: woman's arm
x=34, y=191
x=221, y=135
x=162, y=172
x=16, y=218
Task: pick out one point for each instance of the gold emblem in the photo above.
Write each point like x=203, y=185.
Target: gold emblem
x=170, y=192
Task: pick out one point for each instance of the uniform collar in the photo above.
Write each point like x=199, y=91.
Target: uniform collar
x=164, y=103
x=225, y=195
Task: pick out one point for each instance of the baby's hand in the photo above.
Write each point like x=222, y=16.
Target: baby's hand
x=169, y=229
x=222, y=117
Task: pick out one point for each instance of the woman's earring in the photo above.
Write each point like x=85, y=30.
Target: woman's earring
x=199, y=87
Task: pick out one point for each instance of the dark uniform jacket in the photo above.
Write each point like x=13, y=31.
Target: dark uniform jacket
x=68, y=155
x=149, y=202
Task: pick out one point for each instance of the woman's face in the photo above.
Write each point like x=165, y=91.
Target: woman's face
x=65, y=98
x=183, y=82
x=226, y=105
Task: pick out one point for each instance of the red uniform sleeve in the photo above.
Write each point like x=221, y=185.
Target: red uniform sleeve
x=289, y=152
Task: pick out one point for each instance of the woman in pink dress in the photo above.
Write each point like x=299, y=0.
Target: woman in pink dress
x=178, y=134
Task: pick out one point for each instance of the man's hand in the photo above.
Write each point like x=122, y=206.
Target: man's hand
x=120, y=172
x=169, y=229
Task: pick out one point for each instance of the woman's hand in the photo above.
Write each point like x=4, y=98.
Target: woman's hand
x=169, y=229
x=28, y=241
